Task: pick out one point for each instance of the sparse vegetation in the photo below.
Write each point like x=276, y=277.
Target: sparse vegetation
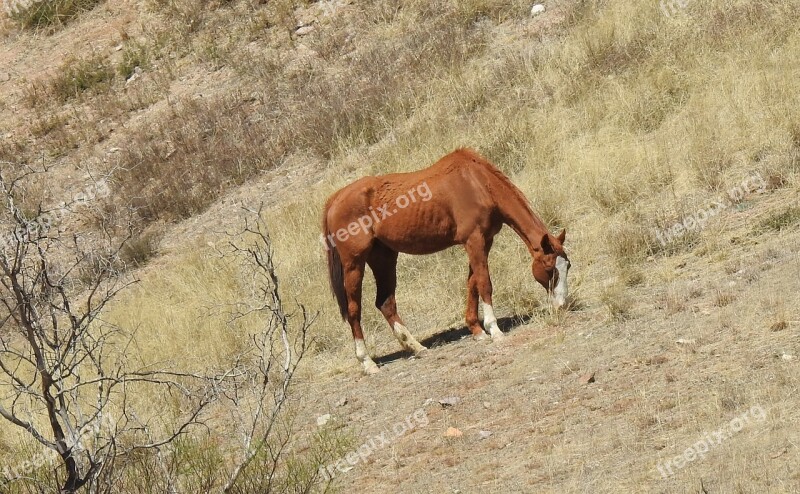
x=781, y=220
x=614, y=119
x=139, y=249
x=617, y=302
x=135, y=54
x=38, y=14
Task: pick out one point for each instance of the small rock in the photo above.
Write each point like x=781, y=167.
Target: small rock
x=685, y=341
x=427, y=402
x=303, y=30
x=323, y=419
x=114, y=150
x=779, y=453
x=484, y=434
x=537, y=9
x=453, y=432
x=342, y=402
x=787, y=357
x=450, y=401
x=587, y=378
x=118, y=47
x=5, y=76
x=487, y=405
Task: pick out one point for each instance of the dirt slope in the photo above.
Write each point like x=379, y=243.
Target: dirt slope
x=675, y=372
x=605, y=398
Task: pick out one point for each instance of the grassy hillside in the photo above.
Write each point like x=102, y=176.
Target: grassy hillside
x=616, y=120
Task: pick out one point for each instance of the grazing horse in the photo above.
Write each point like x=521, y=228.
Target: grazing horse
x=462, y=199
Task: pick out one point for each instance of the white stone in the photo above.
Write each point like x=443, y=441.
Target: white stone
x=303, y=30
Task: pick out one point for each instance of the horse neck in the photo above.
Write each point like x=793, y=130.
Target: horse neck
x=518, y=215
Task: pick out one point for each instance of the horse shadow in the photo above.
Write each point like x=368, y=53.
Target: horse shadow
x=454, y=334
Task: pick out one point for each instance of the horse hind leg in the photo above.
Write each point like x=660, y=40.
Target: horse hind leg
x=401, y=332
x=354, y=275
x=383, y=263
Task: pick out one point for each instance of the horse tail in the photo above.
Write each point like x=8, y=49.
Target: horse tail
x=335, y=269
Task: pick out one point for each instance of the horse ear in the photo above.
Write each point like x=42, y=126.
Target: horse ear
x=562, y=236
x=547, y=246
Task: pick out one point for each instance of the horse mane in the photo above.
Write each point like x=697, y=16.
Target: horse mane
x=472, y=155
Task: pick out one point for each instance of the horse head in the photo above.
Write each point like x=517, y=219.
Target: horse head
x=551, y=266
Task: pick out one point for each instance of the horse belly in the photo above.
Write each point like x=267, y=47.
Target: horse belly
x=417, y=233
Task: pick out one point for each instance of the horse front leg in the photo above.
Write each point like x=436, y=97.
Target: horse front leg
x=471, y=316
x=478, y=251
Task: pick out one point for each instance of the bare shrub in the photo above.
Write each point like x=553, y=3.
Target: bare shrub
x=62, y=380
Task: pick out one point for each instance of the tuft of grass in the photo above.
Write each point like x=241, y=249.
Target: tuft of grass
x=629, y=240
x=723, y=298
x=617, y=302
x=780, y=221
x=77, y=76
x=140, y=249
x=47, y=13
x=779, y=325
x=496, y=10
x=134, y=54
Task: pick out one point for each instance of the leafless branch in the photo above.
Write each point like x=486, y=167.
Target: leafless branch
x=260, y=398
x=58, y=380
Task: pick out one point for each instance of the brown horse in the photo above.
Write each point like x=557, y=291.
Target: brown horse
x=461, y=199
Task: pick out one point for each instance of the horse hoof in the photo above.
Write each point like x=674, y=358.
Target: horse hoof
x=480, y=336
x=421, y=352
x=498, y=336
x=371, y=368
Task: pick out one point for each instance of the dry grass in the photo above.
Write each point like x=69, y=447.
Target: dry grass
x=615, y=120
x=202, y=148
x=40, y=14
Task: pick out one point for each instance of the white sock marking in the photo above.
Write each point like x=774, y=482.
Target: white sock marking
x=489, y=321
x=406, y=339
x=370, y=367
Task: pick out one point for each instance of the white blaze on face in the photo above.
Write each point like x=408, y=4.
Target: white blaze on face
x=560, y=291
